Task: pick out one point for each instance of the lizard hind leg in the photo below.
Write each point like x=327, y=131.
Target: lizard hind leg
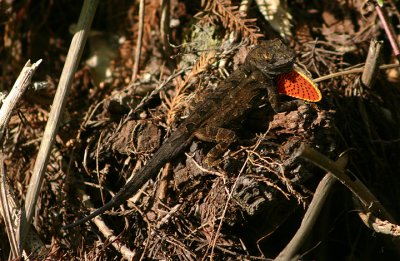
x=223, y=137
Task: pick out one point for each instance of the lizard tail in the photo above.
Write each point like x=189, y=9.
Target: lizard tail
x=95, y=213
x=125, y=193
x=149, y=171
x=175, y=144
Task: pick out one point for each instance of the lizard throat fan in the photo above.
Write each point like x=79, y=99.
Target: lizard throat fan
x=298, y=85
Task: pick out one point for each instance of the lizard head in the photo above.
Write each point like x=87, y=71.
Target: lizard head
x=271, y=58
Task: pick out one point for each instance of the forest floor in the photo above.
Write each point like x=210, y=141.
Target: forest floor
x=123, y=104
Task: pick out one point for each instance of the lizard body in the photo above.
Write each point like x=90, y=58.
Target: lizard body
x=241, y=91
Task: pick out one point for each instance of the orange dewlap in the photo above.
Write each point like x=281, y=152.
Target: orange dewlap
x=296, y=84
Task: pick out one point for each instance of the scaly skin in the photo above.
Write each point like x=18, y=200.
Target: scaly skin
x=241, y=91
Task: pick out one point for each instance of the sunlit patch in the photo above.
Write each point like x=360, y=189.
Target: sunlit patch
x=298, y=85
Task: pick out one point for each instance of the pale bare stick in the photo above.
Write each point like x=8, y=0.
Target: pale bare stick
x=356, y=186
x=380, y=226
x=312, y=213
x=108, y=233
x=10, y=208
x=19, y=88
x=353, y=71
x=138, y=51
x=57, y=109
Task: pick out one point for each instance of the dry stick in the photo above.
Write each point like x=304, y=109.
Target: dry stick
x=350, y=181
x=376, y=224
x=9, y=209
x=380, y=226
x=216, y=235
x=9, y=103
x=388, y=29
x=371, y=67
x=155, y=92
x=165, y=30
x=367, y=199
x=138, y=51
x=57, y=109
x=127, y=253
x=19, y=88
x=309, y=219
x=367, y=80
x=12, y=213
x=353, y=71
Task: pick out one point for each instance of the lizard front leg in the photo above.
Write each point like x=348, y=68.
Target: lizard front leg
x=278, y=106
x=266, y=82
x=223, y=138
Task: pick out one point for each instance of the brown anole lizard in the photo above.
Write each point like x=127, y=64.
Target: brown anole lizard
x=241, y=91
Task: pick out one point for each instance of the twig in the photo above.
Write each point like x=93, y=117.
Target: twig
x=12, y=214
x=161, y=193
x=388, y=29
x=57, y=109
x=97, y=165
x=367, y=79
x=312, y=213
x=116, y=243
x=9, y=204
x=353, y=71
x=378, y=225
x=9, y=210
x=371, y=64
x=155, y=92
x=127, y=253
x=165, y=30
x=367, y=199
x=138, y=51
x=213, y=242
x=350, y=181
x=19, y=88
x=164, y=220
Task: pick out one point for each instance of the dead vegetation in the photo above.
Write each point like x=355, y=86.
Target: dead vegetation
x=250, y=205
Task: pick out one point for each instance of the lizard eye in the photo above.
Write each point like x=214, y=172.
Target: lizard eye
x=267, y=57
